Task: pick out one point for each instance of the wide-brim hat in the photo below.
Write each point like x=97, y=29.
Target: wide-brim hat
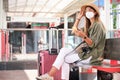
x=91, y=5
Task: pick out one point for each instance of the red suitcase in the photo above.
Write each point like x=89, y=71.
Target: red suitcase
x=46, y=64
x=47, y=57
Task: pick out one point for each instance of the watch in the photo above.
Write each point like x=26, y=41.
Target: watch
x=85, y=37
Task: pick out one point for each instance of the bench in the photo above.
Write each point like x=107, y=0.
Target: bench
x=111, y=62
x=111, y=56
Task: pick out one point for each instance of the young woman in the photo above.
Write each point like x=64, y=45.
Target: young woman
x=94, y=36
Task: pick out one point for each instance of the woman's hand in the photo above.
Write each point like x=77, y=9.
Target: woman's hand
x=80, y=15
x=74, y=28
x=80, y=33
x=77, y=32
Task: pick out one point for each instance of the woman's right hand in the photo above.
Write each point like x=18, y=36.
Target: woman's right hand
x=74, y=28
x=80, y=15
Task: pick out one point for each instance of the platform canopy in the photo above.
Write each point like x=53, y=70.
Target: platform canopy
x=43, y=8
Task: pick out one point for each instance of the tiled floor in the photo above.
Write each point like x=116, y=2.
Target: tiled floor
x=18, y=74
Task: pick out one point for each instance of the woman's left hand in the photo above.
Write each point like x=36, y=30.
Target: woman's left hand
x=79, y=33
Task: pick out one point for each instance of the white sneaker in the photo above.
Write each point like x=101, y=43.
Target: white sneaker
x=44, y=77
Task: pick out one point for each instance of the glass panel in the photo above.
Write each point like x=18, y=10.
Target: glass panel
x=20, y=9
x=46, y=9
x=17, y=43
x=11, y=2
x=28, y=8
x=25, y=43
x=21, y=3
x=37, y=8
x=41, y=2
x=113, y=34
x=12, y=8
x=72, y=40
x=51, y=3
x=63, y=4
x=115, y=16
x=31, y=2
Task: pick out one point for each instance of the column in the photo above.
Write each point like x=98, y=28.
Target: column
x=0, y=47
x=1, y=9
x=4, y=22
x=65, y=29
x=107, y=14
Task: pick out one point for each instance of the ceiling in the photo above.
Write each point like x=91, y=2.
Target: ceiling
x=42, y=8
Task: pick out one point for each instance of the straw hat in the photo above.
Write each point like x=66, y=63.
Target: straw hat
x=91, y=5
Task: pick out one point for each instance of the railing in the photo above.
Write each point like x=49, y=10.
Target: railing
x=26, y=41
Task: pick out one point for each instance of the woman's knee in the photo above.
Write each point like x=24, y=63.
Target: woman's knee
x=71, y=58
x=65, y=50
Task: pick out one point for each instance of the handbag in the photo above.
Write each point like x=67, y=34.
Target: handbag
x=83, y=48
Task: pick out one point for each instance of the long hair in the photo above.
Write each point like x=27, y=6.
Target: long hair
x=88, y=23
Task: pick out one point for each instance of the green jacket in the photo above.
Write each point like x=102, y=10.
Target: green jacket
x=98, y=35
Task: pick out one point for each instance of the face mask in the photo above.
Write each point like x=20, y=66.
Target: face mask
x=89, y=15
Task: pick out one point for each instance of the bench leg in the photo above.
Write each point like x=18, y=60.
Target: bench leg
x=101, y=75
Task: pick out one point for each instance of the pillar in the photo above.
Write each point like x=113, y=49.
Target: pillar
x=65, y=29
x=1, y=8
x=108, y=18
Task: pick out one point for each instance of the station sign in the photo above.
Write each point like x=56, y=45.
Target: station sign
x=70, y=19
x=32, y=19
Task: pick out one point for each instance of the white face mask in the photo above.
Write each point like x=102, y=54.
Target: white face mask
x=89, y=15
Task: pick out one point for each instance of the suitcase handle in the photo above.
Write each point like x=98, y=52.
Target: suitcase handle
x=53, y=50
